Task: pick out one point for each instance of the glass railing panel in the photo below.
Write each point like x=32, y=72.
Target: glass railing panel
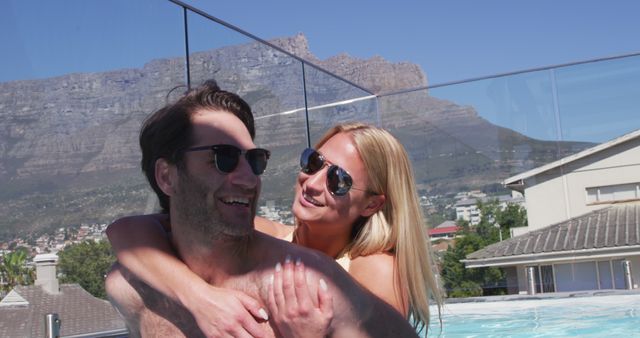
x=332, y=100
x=519, y=111
x=599, y=101
x=271, y=82
x=472, y=136
x=464, y=141
x=72, y=109
x=598, y=104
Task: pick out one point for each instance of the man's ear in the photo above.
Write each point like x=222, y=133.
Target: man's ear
x=375, y=203
x=165, y=176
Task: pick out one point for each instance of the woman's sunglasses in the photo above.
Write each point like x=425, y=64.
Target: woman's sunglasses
x=339, y=181
x=226, y=157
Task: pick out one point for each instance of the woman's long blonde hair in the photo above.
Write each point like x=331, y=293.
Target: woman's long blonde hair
x=399, y=226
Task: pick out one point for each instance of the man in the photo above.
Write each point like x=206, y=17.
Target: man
x=199, y=157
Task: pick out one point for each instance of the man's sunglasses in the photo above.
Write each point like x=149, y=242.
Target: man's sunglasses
x=226, y=157
x=339, y=181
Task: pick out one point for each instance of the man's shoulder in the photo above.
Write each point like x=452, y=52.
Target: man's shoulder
x=145, y=310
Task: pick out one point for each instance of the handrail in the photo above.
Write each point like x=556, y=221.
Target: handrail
x=245, y=33
x=529, y=70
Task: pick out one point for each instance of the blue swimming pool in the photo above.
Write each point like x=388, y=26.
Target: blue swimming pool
x=594, y=316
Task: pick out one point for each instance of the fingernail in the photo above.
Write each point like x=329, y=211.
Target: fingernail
x=287, y=259
x=271, y=278
x=263, y=314
x=323, y=284
x=278, y=267
x=298, y=261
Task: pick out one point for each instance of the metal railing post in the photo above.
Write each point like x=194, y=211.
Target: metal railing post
x=52, y=325
x=626, y=267
x=531, y=280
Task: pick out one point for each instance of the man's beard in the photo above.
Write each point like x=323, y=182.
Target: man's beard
x=195, y=205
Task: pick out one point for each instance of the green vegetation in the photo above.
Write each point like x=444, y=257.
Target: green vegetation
x=87, y=264
x=13, y=270
x=463, y=282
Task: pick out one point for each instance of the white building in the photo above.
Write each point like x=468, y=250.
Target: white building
x=467, y=209
x=575, y=185
x=584, y=223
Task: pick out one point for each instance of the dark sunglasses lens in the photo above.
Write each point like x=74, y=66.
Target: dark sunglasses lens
x=227, y=158
x=338, y=181
x=258, y=160
x=311, y=161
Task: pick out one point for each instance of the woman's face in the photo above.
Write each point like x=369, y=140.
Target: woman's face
x=314, y=205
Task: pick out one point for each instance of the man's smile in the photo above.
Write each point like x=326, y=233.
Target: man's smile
x=235, y=200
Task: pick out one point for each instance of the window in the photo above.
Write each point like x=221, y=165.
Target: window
x=618, y=274
x=605, y=274
x=543, y=276
x=613, y=193
x=589, y=275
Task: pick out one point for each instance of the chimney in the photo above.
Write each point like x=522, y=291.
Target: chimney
x=46, y=275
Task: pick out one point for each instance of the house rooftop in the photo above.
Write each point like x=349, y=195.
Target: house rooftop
x=611, y=231
x=23, y=311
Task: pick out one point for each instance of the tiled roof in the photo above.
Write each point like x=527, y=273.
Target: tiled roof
x=616, y=226
x=79, y=311
x=446, y=224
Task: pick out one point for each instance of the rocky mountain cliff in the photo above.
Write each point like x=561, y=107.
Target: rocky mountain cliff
x=375, y=74
x=69, y=150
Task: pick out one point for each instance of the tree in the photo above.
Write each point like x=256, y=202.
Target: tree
x=512, y=216
x=14, y=271
x=86, y=263
x=463, y=282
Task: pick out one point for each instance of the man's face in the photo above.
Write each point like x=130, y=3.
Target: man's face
x=207, y=200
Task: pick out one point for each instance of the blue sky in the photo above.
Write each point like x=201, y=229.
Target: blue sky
x=451, y=40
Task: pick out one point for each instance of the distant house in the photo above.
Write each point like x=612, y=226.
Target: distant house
x=583, y=223
x=446, y=229
x=467, y=208
x=23, y=309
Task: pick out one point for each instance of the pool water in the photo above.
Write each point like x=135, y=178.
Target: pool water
x=595, y=316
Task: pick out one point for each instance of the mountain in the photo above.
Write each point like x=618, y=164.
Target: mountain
x=69, y=150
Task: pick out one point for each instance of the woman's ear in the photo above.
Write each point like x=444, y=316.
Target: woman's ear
x=376, y=202
x=165, y=176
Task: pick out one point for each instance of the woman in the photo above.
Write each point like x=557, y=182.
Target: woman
x=355, y=201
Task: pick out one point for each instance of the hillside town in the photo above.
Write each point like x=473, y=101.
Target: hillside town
x=56, y=241
x=461, y=206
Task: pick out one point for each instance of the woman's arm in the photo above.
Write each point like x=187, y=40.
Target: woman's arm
x=377, y=274
x=142, y=246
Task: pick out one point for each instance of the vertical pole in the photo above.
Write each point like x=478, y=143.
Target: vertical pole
x=531, y=280
x=626, y=266
x=186, y=48
x=306, y=107
x=51, y=325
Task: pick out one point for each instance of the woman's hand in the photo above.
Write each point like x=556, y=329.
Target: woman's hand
x=225, y=312
x=293, y=310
